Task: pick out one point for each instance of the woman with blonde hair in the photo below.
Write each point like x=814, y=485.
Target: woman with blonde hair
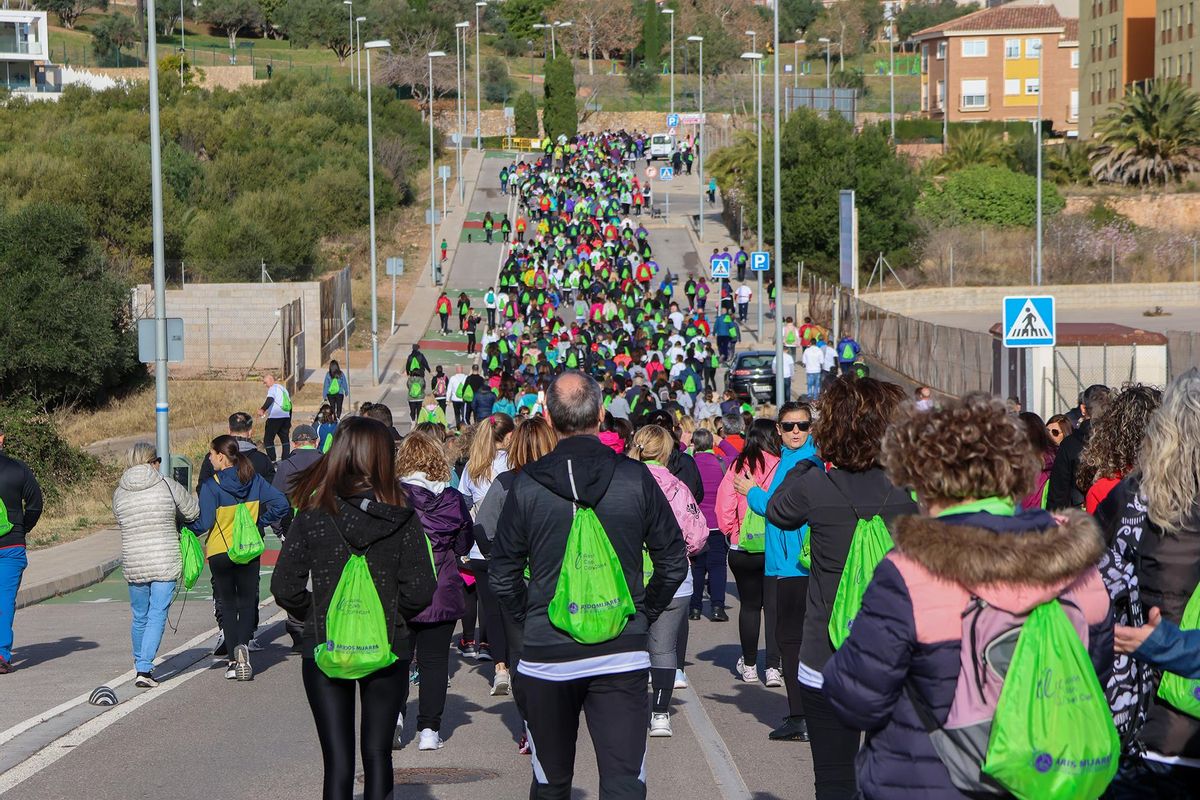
x=424, y=473
x=147, y=506
x=431, y=412
x=667, y=643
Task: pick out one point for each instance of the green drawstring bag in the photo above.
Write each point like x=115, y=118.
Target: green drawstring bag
x=1184, y=693
x=870, y=544
x=806, y=550
x=246, y=542
x=5, y=525
x=193, y=558
x=591, y=601
x=356, y=630
x=752, y=536
x=1053, y=736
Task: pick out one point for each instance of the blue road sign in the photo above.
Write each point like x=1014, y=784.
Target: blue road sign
x=666, y=173
x=760, y=261
x=672, y=120
x=720, y=267
x=1029, y=321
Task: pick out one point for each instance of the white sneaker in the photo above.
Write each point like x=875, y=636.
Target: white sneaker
x=254, y=646
x=231, y=671
x=219, y=650
x=660, y=725
x=774, y=677
x=430, y=740
x=501, y=683
x=680, y=679
x=749, y=674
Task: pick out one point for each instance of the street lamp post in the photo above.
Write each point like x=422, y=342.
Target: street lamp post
x=776, y=191
x=375, y=45
x=182, y=43
x=460, y=103
x=754, y=58
x=699, y=40
x=350, y=5
x=436, y=269
x=358, y=21
x=825, y=41
x=891, y=16
x=796, y=61
x=478, y=93
x=753, y=79
x=161, y=406
x=1038, y=139
x=670, y=12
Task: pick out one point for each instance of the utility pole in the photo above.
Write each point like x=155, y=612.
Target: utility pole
x=162, y=436
x=779, y=398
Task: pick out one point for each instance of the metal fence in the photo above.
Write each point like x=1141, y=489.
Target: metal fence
x=291, y=320
x=1183, y=351
x=335, y=298
x=1076, y=368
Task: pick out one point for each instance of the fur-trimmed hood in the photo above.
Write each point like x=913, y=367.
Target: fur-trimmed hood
x=1014, y=563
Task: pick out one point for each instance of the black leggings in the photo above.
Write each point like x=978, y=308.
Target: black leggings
x=792, y=594
x=834, y=747
x=491, y=629
x=475, y=601
x=335, y=404
x=756, y=593
x=277, y=428
x=431, y=647
x=332, y=704
x=235, y=588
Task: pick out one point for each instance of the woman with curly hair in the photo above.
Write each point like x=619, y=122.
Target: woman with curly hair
x=902, y=659
x=1111, y=452
x=852, y=415
x=1047, y=449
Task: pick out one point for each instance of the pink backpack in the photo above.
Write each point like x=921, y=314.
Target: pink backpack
x=684, y=506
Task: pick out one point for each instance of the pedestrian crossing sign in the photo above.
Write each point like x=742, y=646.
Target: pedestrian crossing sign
x=760, y=261
x=1029, y=321
x=666, y=173
x=720, y=267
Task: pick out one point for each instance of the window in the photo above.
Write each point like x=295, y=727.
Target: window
x=1073, y=111
x=1074, y=59
x=941, y=95
x=941, y=49
x=1032, y=86
x=974, y=94
x=924, y=58
x=1012, y=48
x=1033, y=48
x=924, y=96
x=974, y=48
x=1012, y=87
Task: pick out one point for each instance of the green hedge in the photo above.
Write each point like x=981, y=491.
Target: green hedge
x=991, y=195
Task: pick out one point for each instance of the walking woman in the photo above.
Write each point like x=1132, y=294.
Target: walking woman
x=653, y=445
x=147, y=506
x=1111, y=451
x=709, y=568
x=758, y=459
x=425, y=475
x=853, y=414
x=235, y=586
x=352, y=504
x=971, y=544
x=1159, y=500
x=337, y=385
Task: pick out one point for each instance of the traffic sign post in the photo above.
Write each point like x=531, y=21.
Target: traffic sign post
x=395, y=266
x=666, y=173
x=651, y=172
x=1029, y=321
x=720, y=267
x=760, y=261
x=672, y=120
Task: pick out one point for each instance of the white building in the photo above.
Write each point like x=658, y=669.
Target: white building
x=24, y=52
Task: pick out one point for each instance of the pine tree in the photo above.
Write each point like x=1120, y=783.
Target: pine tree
x=525, y=118
x=651, y=44
x=560, y=117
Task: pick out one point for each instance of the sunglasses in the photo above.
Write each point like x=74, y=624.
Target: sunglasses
x=1055, y=432
x=788, y=427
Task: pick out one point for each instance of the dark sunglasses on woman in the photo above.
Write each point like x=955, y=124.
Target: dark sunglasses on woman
x=788, y=427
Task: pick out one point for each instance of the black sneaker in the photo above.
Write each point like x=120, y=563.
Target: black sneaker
x=467, y=649
x=145, y=680
x=483, y=652
x=220, y=650
x=694, y=614
x=793, y=729
x=719, y=615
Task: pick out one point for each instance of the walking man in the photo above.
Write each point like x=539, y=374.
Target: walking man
x=558, y=676
x=22, y=502
x=278, y=410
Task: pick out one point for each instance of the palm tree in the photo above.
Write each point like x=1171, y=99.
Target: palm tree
x=971, y=146
x=1151, y=137
x=733, y=164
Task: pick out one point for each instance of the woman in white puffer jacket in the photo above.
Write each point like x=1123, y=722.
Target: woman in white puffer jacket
x=148, y=507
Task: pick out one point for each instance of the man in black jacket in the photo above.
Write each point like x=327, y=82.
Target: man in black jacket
x=558, y=676
x=1063, y=493
x=22, y=507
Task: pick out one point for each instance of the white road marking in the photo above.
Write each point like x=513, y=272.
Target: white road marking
x=716, y=752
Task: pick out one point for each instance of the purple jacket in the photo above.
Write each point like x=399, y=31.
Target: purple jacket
x=712, y=469
x=447, y=523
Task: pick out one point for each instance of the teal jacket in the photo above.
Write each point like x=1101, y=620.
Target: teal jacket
x=783, y=547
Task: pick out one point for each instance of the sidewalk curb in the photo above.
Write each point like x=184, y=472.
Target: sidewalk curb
x=30, y=595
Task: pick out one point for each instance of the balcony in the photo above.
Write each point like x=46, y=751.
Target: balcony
x=14, y=47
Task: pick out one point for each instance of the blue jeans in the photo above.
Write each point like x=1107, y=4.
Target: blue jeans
x=12, y=564
x=149, y=603
x=787, y=389
x=814, y=384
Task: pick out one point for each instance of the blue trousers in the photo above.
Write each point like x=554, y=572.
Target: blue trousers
x=12, y=565
x=149, y=603
x=814, y=385
x=709, y=569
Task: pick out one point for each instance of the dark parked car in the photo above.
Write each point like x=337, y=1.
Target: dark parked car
x=752, y=376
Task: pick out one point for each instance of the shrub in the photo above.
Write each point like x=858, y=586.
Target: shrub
x=30, y=435
x=992, y=195
x=497, y=85
x=525, y=116
x=560, y=117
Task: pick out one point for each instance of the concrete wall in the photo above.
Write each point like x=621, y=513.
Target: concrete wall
x=915, y=302
x=233, y=320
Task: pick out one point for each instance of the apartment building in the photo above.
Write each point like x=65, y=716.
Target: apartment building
x=1175, y=40
x=24, y=53
x=1117, y=48
x=995, y=63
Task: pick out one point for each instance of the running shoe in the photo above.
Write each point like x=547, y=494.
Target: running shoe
x=398, y=735
x=774, y=677
x=793, y=729
x=467, y=648
x=748, y=673
x=483, y=652
x=254, y=646
x=501, y=684
x=681, y=681
x=219, y=649
x=660, y=725
x=430, y=740
x=241, y=660
x=230, y=671
x=5, y=666
x=145, y=680
x=523, y=746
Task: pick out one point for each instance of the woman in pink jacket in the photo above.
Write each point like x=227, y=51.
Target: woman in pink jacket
x=758, y=460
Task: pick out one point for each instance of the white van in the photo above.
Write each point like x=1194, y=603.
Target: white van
x=662, y=145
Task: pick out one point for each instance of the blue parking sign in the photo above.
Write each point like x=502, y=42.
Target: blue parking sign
x=672, y=120
x=760, y=261
x=666, y=173
x=1029, y=321
x=720, y=267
